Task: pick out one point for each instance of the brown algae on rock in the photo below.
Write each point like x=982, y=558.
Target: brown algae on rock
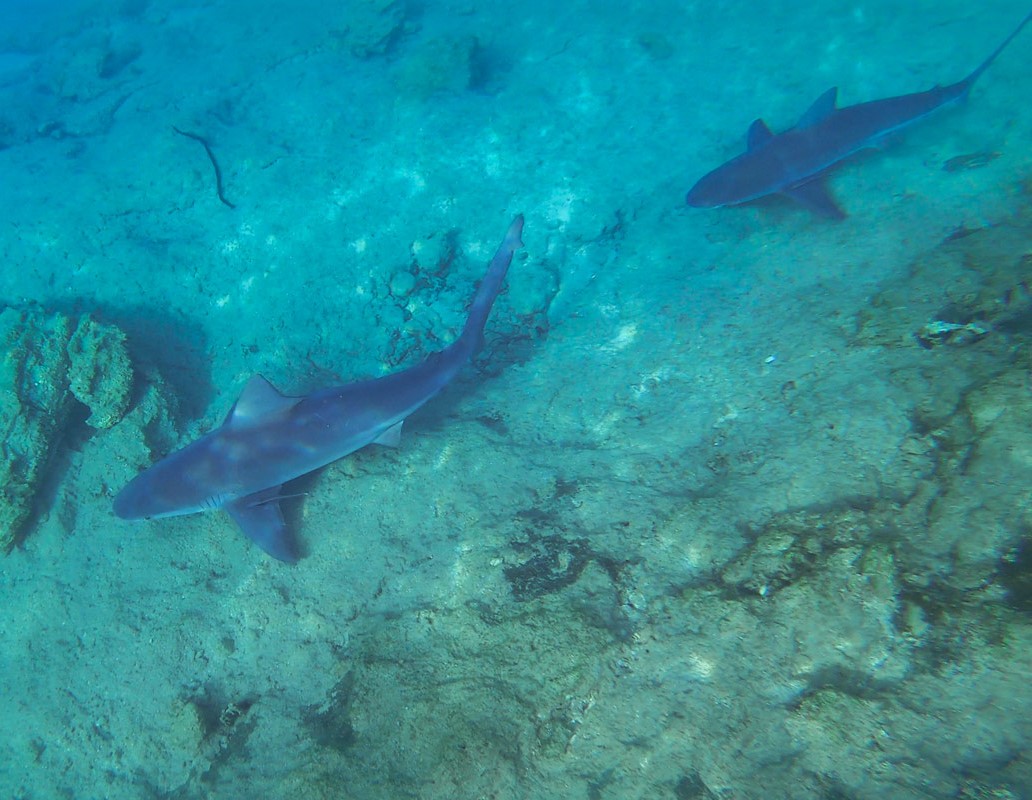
x=50, y=361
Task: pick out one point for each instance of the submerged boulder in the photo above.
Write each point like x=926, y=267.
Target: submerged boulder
x=52, y=363
x=100, y=374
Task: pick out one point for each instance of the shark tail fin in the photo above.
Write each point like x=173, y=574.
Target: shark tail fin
x=969, y=81
x=473, y=333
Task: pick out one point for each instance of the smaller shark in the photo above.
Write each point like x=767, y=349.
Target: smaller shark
x=270, y=438
x=794, y=163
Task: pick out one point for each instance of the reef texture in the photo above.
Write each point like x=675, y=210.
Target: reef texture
x=52, y=364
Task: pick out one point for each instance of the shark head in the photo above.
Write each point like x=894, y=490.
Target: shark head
x=148, y=496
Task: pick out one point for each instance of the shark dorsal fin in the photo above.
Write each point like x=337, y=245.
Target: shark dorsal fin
x=259, y=400
x=822, y=108
x=759, y=134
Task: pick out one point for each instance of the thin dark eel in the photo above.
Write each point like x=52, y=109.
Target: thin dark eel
x=211, y=157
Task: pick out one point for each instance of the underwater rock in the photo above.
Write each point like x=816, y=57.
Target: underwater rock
x=100, y=374
x=32, y=409
x=957, y=293
x=937, y=333
x=443, y=65
x=983, y=509
x=796, y=544
x=50, y=363
x=495, y=696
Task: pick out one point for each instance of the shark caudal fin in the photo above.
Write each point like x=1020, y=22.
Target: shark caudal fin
x=490, y=286
x=966, y=84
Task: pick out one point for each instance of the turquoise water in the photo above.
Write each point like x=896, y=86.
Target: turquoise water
x=732, y=504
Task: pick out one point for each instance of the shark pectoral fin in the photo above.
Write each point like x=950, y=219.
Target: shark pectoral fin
x=759, y=134
x=814, y=196
x=259, y=400
x=822, y=108
x=390, y=437
x=260, y=518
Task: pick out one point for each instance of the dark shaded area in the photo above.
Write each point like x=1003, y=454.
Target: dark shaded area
x=597, y=787
x=1004, y=304
x=950, y=613
x=1015, y=572
x=511, y=342
x=487, y=68
x=1018, y=325
x=232, y=728
x=217, y=713
x=494, y=422
x=133, y=9
x=832, y=788
x=1016, y=302
x=797, y=544
x=692, y=787
x=329, y=724
x=406, y=15
x=74, y=435
x=843, y=681
x=969, y=161
x=117, y=59
x=552, y=563
x=487, y=613
x=45, y=496
x=174, y=346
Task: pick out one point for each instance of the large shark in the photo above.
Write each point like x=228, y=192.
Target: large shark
x=270, y=438
x=793, y=163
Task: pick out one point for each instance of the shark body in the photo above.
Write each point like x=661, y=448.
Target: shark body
x=269, y=438
x=793, y=163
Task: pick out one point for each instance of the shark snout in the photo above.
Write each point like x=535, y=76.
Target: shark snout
x=709, y=191
x=696, y=197
x=127, y=504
